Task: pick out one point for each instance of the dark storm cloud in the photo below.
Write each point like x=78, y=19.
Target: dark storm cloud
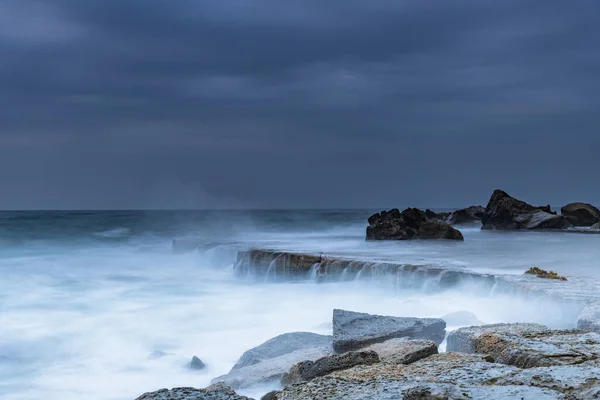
x=143, y=103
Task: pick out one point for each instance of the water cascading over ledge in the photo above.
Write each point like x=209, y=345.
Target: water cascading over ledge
x=580, y=295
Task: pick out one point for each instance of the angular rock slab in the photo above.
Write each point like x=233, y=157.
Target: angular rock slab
x=307, y=370
x=280, y=345
x=270, y=370
x=214, y=392
x=353, y=330
x=403, y=351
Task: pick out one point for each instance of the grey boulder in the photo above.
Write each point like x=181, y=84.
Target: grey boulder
x=403, y=351
x=464, y=340
x=196, y=364
x=353, y=330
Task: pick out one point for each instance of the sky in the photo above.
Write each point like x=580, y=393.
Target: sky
x=126, y=104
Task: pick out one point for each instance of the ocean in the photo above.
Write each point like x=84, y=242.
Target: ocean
x=96, y=305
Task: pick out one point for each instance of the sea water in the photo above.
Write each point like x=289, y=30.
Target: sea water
x=95, y=305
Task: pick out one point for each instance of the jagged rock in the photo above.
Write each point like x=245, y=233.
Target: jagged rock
x=596, y=226
x=196, y=364
x=272, y=395
x=307, y=370
x=527, y=345
x=214, y=392
x=442, y=216
x=403, y=351
x=270, y=371
x=464, y=340
x=504, y=212
x=466, y=215
x=411, y=223
x=352, y=330
x=581, y=214
x=280, y=345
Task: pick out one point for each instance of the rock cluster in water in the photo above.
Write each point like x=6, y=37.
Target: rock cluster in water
x=411, y=223
x=503, y=212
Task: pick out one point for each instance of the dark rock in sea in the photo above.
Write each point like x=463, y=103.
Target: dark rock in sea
x=596, y=226
x=504, y=212
x=214, y=392
x=280, y=345
x=196, y=364
x=442, y=216
x=353, y=331
x=411, y=223
x=466, y=215
x=528, y=345
x=268, y=362
x=308, y=370
x=581, y=214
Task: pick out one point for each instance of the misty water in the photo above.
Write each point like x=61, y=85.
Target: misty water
x=88, y=301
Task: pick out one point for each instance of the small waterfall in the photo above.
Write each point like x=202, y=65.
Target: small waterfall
x=272, y=270
x=360, y=272
x=494, y=287
x=313, y=272
x=344, y=274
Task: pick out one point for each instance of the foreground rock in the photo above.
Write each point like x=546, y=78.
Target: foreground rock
x=466, y=215
x=411, y=223
x=307, y=370
x=268, y=362
x=403, y=351
x=581, y=214
x=443, y=376
x=214, y=392
x=504, y=212
x=352, y=330
x=528, y=345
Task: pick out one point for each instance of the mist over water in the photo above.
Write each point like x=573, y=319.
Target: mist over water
x=86, y=298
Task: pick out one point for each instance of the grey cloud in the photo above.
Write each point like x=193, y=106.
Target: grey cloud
x=366, y=103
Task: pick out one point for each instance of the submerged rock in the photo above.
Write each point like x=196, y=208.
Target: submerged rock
x=307, y=370
x=352, y=330
x=411, y=223
x=280, y=345
x=214, y=392
x=196, y=364
x=581, y=214
x=504, y=212
x=157, y=354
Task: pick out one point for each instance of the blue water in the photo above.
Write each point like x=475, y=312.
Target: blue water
x=86, y=297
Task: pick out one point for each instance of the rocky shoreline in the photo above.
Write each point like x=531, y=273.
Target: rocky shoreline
x=383, y=357
x=386, y=357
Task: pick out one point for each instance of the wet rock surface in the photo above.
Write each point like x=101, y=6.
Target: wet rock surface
x=581, y=214
x=466, y=215
x=411, y=223
x=214, y=392
x=504, y=212
x=465, y=340
x=352, y=330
